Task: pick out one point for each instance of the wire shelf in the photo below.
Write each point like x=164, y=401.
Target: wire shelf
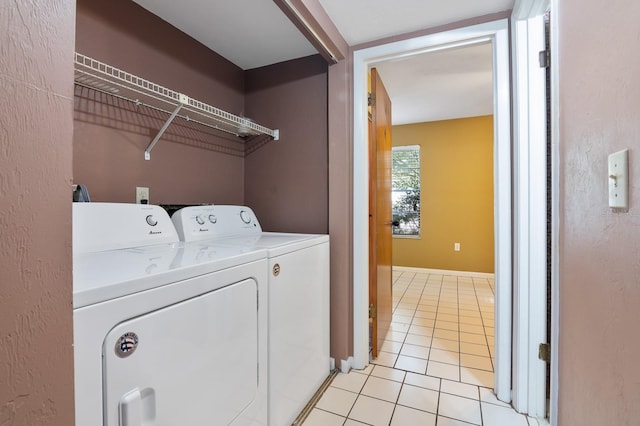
x=108, y=79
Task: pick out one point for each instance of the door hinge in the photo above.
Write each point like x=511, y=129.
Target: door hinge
x=544, y=352
x=372, y=311
x=545, y=58
x=371, y=99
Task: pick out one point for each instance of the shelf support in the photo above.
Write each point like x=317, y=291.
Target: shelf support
x=184, y=99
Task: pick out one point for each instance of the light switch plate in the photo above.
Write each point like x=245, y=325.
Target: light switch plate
x=619, y=179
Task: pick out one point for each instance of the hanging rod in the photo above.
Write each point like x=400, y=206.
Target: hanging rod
x=108, y=79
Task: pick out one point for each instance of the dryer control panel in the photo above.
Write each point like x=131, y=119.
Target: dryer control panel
x=198, y=223
x=113, y=226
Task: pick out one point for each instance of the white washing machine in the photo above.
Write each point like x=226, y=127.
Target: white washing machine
x=298, y=270
x=165, y=334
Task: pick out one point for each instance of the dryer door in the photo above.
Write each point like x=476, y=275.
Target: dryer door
x=192, y=363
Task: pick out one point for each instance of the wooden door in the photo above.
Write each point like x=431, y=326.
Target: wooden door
x=379, y=213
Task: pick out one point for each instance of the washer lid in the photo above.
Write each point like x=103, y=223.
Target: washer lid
x=102, y=276
x=276, y=243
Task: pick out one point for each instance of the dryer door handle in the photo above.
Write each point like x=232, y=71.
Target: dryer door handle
x=137, y=408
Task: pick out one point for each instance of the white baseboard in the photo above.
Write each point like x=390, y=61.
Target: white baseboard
x=443, y=272
x=345, y=365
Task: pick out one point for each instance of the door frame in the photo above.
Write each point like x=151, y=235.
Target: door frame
x=530, y=212
x=497, y=33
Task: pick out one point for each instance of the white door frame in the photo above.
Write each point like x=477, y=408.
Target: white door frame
x=497, y=33
x=530, y=215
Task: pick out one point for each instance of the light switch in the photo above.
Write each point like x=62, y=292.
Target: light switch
x=619, y=179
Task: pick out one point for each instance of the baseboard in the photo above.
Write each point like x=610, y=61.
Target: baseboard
x=345, y=365
x=443, y=272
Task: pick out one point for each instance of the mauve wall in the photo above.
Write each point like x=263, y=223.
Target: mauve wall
x=286, y=180
x=190, y=164
x=36, y=126
x=599, y=90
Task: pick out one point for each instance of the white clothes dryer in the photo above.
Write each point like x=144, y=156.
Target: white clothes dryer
x=165, y=334
x=298, y=270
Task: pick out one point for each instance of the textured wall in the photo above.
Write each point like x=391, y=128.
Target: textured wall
x=599, y=90
x=190, y=164
x=36, y=126
x=286, y=181
x=456, y=161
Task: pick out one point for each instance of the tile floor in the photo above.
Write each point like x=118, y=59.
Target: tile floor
x=435, y=367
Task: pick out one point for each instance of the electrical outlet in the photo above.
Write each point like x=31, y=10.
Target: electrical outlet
x=456, y=246
x=142, y=195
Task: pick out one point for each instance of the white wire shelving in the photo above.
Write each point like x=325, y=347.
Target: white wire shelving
x=108, y=79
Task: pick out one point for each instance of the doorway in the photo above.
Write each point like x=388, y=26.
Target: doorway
x=495, y=33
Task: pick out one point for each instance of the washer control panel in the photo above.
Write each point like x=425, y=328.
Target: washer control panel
x=197, y=223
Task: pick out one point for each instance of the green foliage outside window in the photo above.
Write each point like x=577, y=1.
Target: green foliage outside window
x=406, y=190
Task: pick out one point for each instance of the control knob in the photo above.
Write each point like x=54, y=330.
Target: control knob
x=200, y=220
x=245, y=216
x=213, y=218
x=151, y=220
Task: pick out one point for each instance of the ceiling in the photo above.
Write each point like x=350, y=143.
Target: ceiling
x=442, y=85
x=435, y=86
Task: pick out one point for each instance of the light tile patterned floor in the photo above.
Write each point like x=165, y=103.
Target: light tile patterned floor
x=435, y=367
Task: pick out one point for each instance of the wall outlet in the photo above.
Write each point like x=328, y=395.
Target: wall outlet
x=142, y=195
x=456, y=246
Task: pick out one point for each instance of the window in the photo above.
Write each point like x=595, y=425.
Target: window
x=405, y=191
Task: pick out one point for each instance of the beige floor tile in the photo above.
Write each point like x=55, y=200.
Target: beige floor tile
x=323, y=418
x=446, y=325
x=396, y=336
x=477, y=362
x=445, y=334
x=425, y=315
x=385, y=358
x=444, y=371
x=448, y=317
x=473, y=349
x=384, y=389
x=478, y=339
x=471, y=328
x=399, y=326
x=460, y=389
x=415, y=365
x=391, y=346
x=419, y=398
x=494, y=415
x=445, y=421
x=470, y=320
x=351, y=382
x=402, y=319
x=404, y=312
x=415, y=339
x=421, y=331
x=476, y=377
x=422, y=381
x=405, y=416
x=423, y=322
x=448, y=357
x=459, y=408
x=337, y=401
x=388, y=373
x=415, y=351
x=445, y=344
x=487, y=395
x=372, y=411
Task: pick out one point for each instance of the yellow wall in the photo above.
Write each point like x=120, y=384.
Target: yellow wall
x=456, y=195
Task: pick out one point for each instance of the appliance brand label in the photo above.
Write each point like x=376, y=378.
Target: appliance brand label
x=203, y=230
x=126, y=345
x=155, y=232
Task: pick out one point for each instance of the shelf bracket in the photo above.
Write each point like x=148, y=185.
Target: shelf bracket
x=184, y=99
